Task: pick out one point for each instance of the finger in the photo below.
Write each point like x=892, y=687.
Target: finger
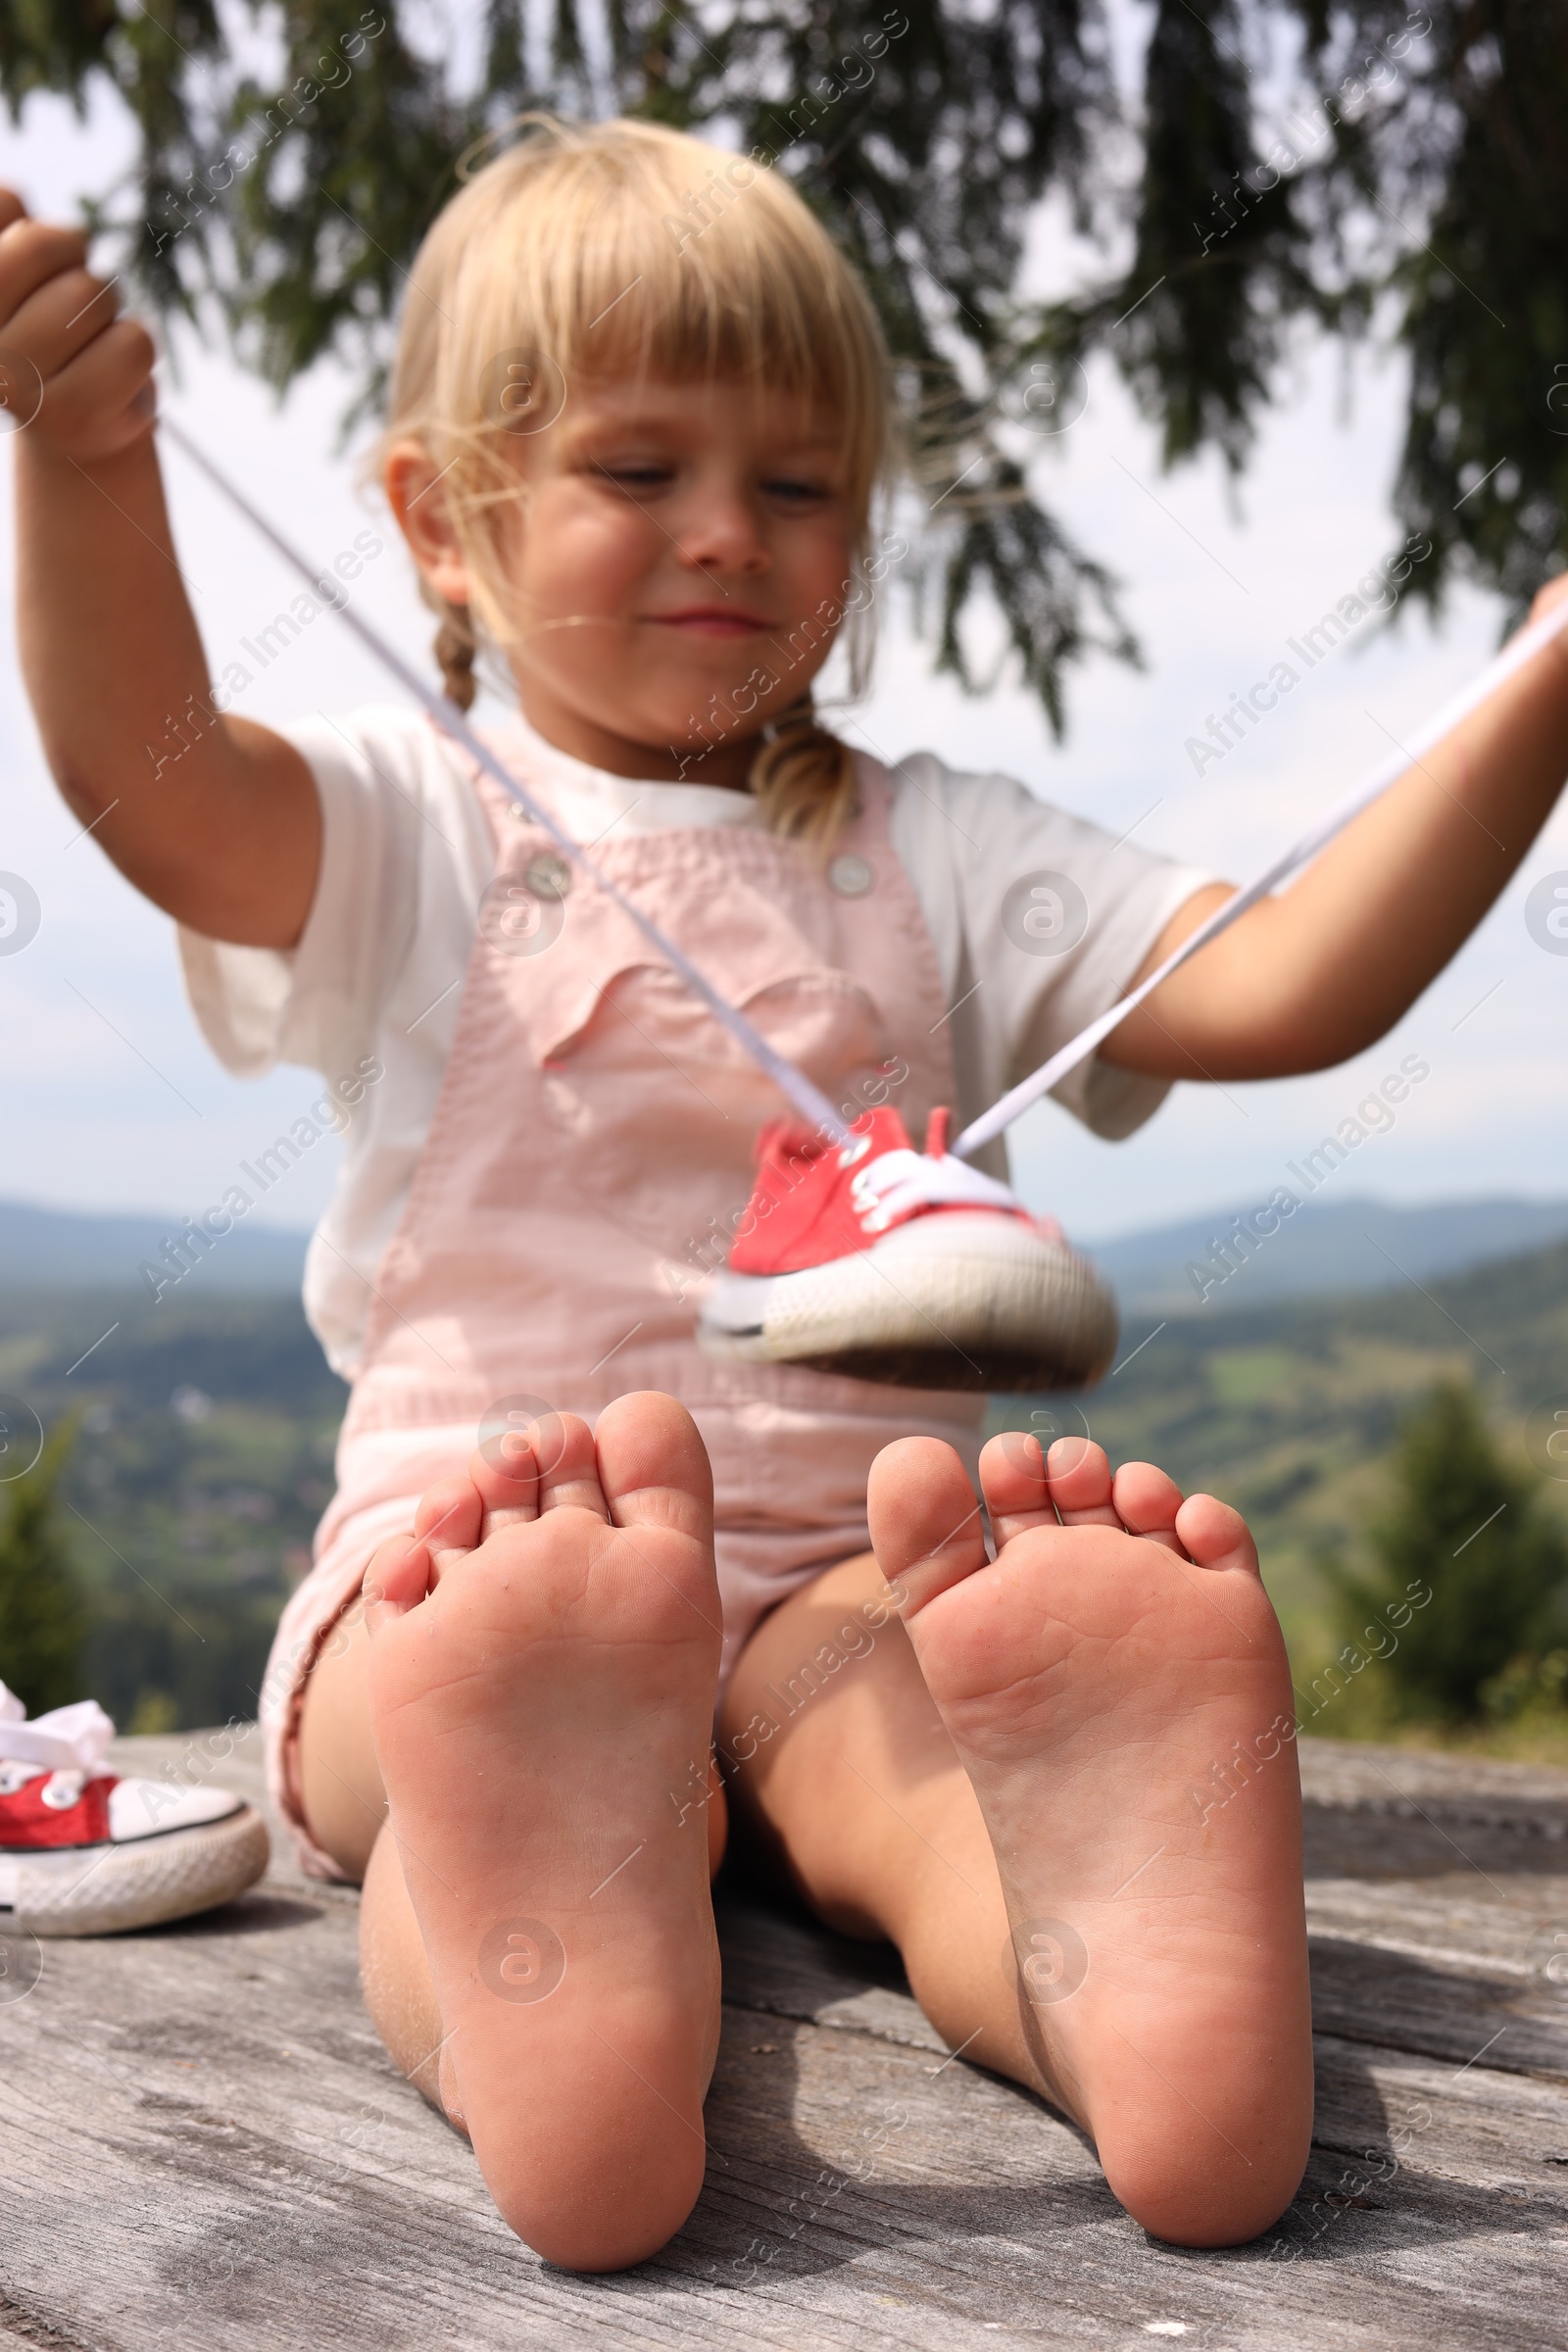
x=1012, y=1480
x=397, y=1580
x=569, y=1467
x=62, y=319
x=12, y=208
x=925, y=1521
x=31, y=252
x=654, y=1466
x=100, y=393
x=1078, y=1474
x=1147, y=1501
x=1215, y=1535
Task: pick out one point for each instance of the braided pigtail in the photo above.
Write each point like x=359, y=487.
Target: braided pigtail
x=803, y=778
x=456, y=649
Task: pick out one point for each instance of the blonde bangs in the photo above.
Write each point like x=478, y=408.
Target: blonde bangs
x=624, y=252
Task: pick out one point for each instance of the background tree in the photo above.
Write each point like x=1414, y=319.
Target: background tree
x=1277, y=161
x=42, y=1617
x=1466, y=1525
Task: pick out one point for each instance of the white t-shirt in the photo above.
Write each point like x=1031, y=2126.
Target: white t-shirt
x=407, y=855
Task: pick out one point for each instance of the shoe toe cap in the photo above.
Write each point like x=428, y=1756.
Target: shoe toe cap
x=140, y=1808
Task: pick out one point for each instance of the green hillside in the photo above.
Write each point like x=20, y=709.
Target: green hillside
x=202, y=1462
x=206, y=1433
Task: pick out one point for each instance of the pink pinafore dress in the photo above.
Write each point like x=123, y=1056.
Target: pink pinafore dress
x=591, y=1150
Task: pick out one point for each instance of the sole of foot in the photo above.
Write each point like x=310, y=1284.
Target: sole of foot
x=544, y=1655
x=1116, y=1684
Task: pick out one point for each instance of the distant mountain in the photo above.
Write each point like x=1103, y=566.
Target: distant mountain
x=50, y=1248
x=1354, y=1243
x=1348, y=1245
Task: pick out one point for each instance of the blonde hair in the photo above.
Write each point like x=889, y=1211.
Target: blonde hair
x=519, y=287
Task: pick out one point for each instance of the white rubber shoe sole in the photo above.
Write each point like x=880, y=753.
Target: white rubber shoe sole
x=947, y=1302
x=142, y=1883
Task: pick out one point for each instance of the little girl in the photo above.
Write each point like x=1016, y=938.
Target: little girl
x=635, y=447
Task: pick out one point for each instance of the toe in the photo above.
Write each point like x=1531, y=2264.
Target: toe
x=1147, y=1501
x=449, y=1520
x=1012, y=1480
x=568, y=1468
x=1078, y=1474
x=925, y=1522
x=1215, y=1535
x=654, y=1466
x=506, y=1477
x=397, y=1580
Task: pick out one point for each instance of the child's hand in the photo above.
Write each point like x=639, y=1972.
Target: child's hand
x=1547, y=599
x=57, y=319
x=1321, y=971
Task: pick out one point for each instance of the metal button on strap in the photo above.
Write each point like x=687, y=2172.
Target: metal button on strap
x=850, y=876
x=548, y=876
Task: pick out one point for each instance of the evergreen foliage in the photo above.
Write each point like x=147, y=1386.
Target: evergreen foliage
x=43, y=1620
x=1282, y=160
x=1464, y=1526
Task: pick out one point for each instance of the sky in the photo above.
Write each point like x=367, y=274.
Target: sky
x=113, y=1100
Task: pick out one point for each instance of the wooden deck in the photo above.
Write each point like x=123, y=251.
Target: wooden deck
x=204, y=2146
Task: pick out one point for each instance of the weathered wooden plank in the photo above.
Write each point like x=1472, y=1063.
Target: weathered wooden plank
x=204, y=2144
x=33, y=2333
x=1360, y=1842
x=1389, y=1999
x=1350, y=1773
x=994, y=2210
x=856, y=2194
x=1520, y=1933
x=1470, y=2124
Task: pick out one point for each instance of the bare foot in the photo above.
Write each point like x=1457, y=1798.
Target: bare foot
x=1116, y=1684
x=544, y=1656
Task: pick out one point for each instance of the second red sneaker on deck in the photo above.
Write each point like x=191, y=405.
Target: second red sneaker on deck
x=86, y=1852
x=884, y=1264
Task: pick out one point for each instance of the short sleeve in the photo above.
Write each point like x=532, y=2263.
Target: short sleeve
x=389, y=798
x=1040, y=920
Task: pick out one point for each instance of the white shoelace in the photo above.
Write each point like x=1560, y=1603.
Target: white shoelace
x=897, y=1182
x=70, y=1739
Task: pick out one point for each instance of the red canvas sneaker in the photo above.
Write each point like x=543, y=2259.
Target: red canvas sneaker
x=885, y=1263
x=84, y=1852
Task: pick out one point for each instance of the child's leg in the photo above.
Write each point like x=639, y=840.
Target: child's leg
x=541, y=1682
x=340, y=1779
x=1034, y=1768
